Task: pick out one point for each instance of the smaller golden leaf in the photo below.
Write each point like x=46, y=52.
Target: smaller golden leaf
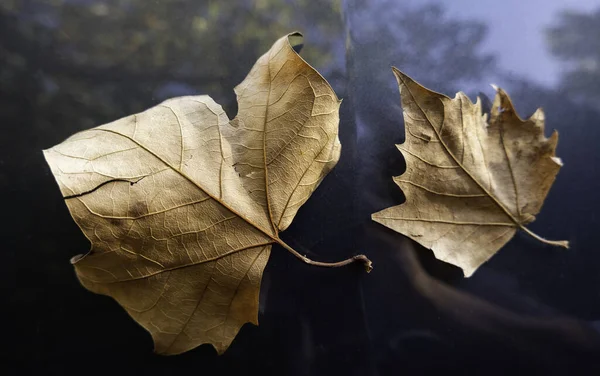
x=470, y=182
x=182, y=205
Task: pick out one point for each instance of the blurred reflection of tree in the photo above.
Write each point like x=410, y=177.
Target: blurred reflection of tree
x=522, y=281
x=76, y=63
x=421, y=41
x=572, y=108
x=573, y=39
x=425, y=43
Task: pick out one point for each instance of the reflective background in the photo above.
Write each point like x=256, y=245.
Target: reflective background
x=68, y=65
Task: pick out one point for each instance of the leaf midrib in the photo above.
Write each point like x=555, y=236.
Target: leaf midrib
x=274, y=239
x=264, y=144
x=447, y=149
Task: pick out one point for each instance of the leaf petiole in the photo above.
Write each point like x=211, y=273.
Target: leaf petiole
x=558, y=243
x=358, y=258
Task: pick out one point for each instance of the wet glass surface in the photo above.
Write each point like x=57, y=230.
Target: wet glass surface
x=68, y=65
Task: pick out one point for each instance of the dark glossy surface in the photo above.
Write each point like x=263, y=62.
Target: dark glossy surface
x=68, y=65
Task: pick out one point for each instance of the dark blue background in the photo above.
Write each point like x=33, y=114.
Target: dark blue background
x=68, y=65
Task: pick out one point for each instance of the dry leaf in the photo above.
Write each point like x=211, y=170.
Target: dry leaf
x=182, y=205
x=470, y=183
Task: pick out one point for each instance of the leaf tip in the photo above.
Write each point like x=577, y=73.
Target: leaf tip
x=220, y=349
x=468, y=272
x=76, y=258
x=400, y=77
x=460, y=95
x=296, y=41
x=47, y=153
x=503, y=108
x=557, y=160
x=538, y=117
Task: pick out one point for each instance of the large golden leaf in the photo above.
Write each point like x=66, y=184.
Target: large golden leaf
x=182, y=205
x=470, y=183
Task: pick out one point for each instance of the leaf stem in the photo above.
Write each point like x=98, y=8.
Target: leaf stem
x=358, y=258
x=558, y=243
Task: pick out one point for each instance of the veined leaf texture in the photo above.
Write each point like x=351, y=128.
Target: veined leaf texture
x=470, y=182
x=182, y=205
